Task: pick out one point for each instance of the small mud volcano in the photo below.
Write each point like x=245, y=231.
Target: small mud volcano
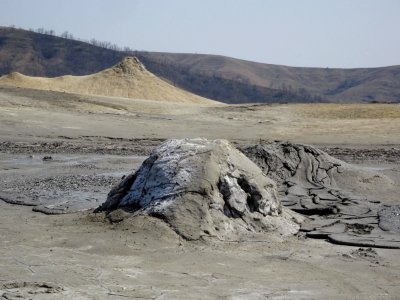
x=203, y=188
x=209, y=188
x=313, y=183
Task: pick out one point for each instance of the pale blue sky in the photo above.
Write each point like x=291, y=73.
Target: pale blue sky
x=319, y=33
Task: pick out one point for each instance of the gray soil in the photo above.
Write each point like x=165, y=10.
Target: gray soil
x=81, y=255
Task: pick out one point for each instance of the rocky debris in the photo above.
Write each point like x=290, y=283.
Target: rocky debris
x=306, y=179
x=203, y=188
x=60, y=183
x=368, y=254
x=387, y=154
x=365, y=252
x=144, y=146
x=84, y=144
x=28, y=290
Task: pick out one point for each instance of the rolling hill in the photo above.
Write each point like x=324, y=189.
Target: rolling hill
x=127, y=79
x=336, y=85
x=221, y=78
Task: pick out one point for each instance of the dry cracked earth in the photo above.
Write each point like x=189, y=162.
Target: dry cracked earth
x=62, y=160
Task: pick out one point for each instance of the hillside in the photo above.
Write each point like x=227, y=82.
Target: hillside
x=304, y=84
x=37, y=54
x=216, y=77
x=127, y=79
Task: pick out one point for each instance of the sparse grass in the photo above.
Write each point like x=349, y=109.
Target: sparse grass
x=350, y=111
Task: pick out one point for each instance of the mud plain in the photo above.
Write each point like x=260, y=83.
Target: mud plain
x=93, y=141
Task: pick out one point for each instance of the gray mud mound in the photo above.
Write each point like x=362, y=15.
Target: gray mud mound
x=307, y=182
x=203, y=188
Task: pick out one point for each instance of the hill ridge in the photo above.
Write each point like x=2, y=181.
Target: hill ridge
x=216, y=77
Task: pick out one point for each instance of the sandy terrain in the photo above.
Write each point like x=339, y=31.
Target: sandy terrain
x=128, y=79
x=27, y=113
x=93, y=141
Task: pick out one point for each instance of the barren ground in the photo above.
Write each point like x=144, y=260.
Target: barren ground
x=93, y=141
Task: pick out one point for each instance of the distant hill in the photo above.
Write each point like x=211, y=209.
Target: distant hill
x=37, y=54
x=278, y=83
x=216, y=77
x=128, y=79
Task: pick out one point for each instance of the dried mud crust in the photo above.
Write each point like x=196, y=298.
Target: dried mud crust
x=387, y=154
x=306, y=178
x=83, y=144
x=58, y=194
x=64, y=184
x=139, y=146
x=26, y=290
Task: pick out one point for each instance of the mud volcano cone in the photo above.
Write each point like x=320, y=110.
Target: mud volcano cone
x=128, y=79
x=201, y=187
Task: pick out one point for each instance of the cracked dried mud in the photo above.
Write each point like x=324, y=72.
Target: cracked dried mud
x=94, y=141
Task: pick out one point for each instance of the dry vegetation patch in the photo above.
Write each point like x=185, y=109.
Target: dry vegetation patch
x=350, y=111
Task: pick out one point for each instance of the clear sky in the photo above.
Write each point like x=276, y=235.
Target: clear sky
x=313, y=33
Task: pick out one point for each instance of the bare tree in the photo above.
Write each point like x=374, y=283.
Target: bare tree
x=67, y=35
